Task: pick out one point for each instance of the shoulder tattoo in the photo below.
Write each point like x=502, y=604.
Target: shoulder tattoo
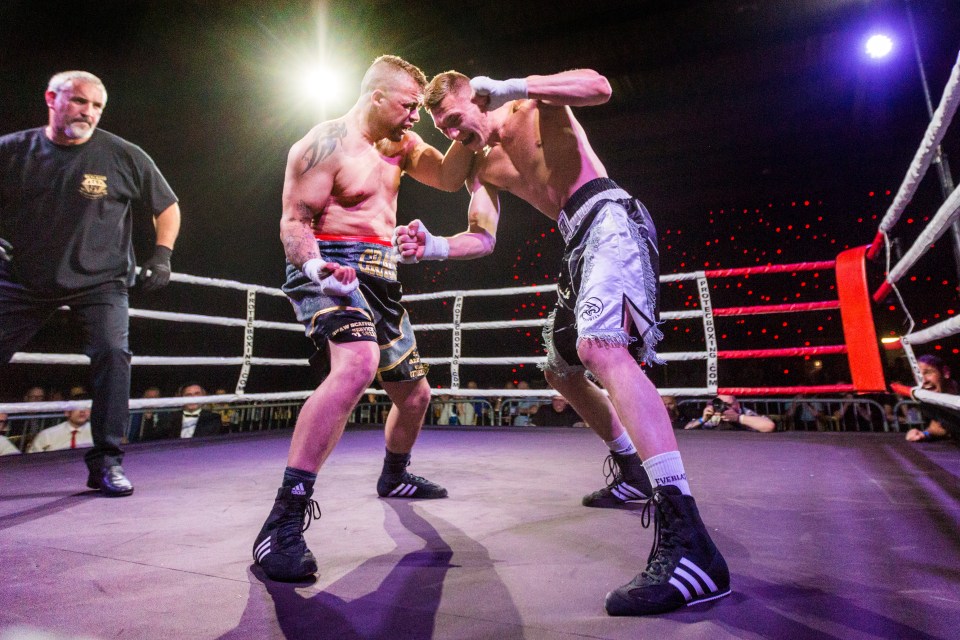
x=323, y=144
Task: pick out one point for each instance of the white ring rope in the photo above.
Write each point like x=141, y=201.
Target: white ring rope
x=471, y=293
x=945, y=216
x=171, y=316
x=945, y=329
x=947, y=400
x=250, y=323
x=927, y=150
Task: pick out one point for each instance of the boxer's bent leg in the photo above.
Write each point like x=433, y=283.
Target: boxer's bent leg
x=634, y=397
x=627, y=480
x=410, y=403
x=105, y=319
x=323, y=417
x=589, y=402
x=280, y=549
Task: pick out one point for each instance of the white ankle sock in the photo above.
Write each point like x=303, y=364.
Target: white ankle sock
x=622, y=445
x=667, y=468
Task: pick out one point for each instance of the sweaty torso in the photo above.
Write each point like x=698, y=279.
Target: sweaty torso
x=365, y=181
x=543, y=156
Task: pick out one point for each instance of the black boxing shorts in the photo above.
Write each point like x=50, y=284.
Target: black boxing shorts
x=370, y=313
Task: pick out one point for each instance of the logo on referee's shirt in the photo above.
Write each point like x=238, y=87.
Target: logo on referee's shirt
x=93, y=186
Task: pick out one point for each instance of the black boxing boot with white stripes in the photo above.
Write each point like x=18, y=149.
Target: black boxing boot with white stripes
x=280, y=549
x=396, y=482
x=627, y=481
x=684, y=567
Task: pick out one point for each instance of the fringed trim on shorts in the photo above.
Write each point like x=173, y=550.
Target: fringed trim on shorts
x=566, y=371
x=608, y=338
x=653, y=335
x=651, y=339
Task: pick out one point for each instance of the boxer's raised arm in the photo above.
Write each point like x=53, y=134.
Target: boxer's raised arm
x=483, y=216
x=575, y=88
x=446, y=172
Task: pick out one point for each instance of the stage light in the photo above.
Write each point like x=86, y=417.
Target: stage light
x=879, y=46
x=319, y=85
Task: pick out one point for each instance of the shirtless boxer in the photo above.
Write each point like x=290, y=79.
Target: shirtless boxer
x=606, y=317
x=339, y=211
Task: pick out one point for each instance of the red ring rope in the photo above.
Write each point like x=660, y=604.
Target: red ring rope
x=771, y=268
x=777, y=308
x=782, y=391
x=772, y=353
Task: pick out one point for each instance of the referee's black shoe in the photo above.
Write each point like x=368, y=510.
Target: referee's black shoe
x=111, y=481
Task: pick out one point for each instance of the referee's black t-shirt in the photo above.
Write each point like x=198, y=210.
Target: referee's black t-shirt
x=67, y=210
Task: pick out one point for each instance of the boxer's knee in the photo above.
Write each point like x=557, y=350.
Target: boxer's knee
x=353, y=366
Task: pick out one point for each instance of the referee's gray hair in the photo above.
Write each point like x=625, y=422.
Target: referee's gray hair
x=58, y=81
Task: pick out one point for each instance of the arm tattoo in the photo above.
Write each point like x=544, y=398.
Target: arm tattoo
x=299, y=243
x=323, y=144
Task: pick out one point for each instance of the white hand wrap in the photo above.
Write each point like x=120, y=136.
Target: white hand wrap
x=500, y=92
x=434, y=247
x=396, y=243
x=329, y=285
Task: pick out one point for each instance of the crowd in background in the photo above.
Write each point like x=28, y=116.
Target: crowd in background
x=71, y=429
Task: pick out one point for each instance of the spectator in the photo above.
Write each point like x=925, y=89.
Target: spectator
x=854, y=416
x=6, y=447
x=558, y=413
x=72, y=433
x=33, y=426
x=229, y=417
x=935, y=376
x=192, y=421
x=725, y=412
x=454, y=411
x=677, y=419
x=500, y=416
x=68, y=195
x=481, y=410
x=146, y=421
x=525, y=408
x=805, y=414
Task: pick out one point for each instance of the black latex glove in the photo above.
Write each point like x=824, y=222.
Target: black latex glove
x=6, y=251
x=155, y=272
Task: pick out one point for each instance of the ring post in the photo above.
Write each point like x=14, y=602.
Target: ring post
x=863, y=351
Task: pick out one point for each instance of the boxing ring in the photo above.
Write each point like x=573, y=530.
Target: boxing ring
x=839, y=535
x=852, y=302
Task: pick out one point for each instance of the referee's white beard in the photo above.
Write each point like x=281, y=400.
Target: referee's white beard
x=78, y=130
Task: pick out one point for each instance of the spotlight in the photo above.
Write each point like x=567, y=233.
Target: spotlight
x=319, y=85
x=879, y=46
